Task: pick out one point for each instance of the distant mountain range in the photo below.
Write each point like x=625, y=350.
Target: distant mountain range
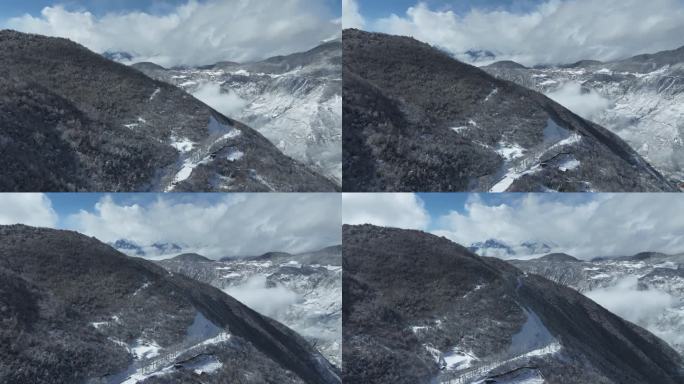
x=415, y=119
x=156, y=249
x=498, y=248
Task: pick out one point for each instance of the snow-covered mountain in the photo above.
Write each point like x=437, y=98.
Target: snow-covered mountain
x=75, y=310
x=416, y=119
x=74, y=121
x=641, y=99
x=295, y=100
x=647, y=288
x=421, y=309
x=303, y=291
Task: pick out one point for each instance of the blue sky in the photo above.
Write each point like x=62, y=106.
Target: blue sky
x=380, y=8
x=440, y=204
x=67, y=204
x=100, y=7
x=97, y=7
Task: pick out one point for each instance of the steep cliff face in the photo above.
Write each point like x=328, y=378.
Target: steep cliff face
x=421, y=309
x=75, y=121
x=416, y=119
x=74, y=310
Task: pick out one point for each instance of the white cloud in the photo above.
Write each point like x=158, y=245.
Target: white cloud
x=351, y=17
x=553, y=32
x=269, y=301
x=603, y=225
x=400, y=210
x=587, y=104
x=228, y=103
x=236, y=225
x=27, y=208
x=621, y=297
x=193, y=33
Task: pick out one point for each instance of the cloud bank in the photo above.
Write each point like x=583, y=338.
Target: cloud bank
x=269, y=301
x=554, y=31
x=228, y=103
x=584, y=226
x=33, y=209
x=621, y=297
x=585, y=103
x=604, y=225
x=236, y=225
x=193, y=33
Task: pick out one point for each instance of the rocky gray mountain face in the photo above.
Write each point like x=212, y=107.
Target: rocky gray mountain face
x=302, y=291
x=295, y=100
x=641, y=99
x=74, y=310
x=74, y=121
x=415, y=119
x=421, y=309
x=647, y=288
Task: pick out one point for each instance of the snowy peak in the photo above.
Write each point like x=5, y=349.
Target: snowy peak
x=491, y=247
x=131, y=248
x=497, y=248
